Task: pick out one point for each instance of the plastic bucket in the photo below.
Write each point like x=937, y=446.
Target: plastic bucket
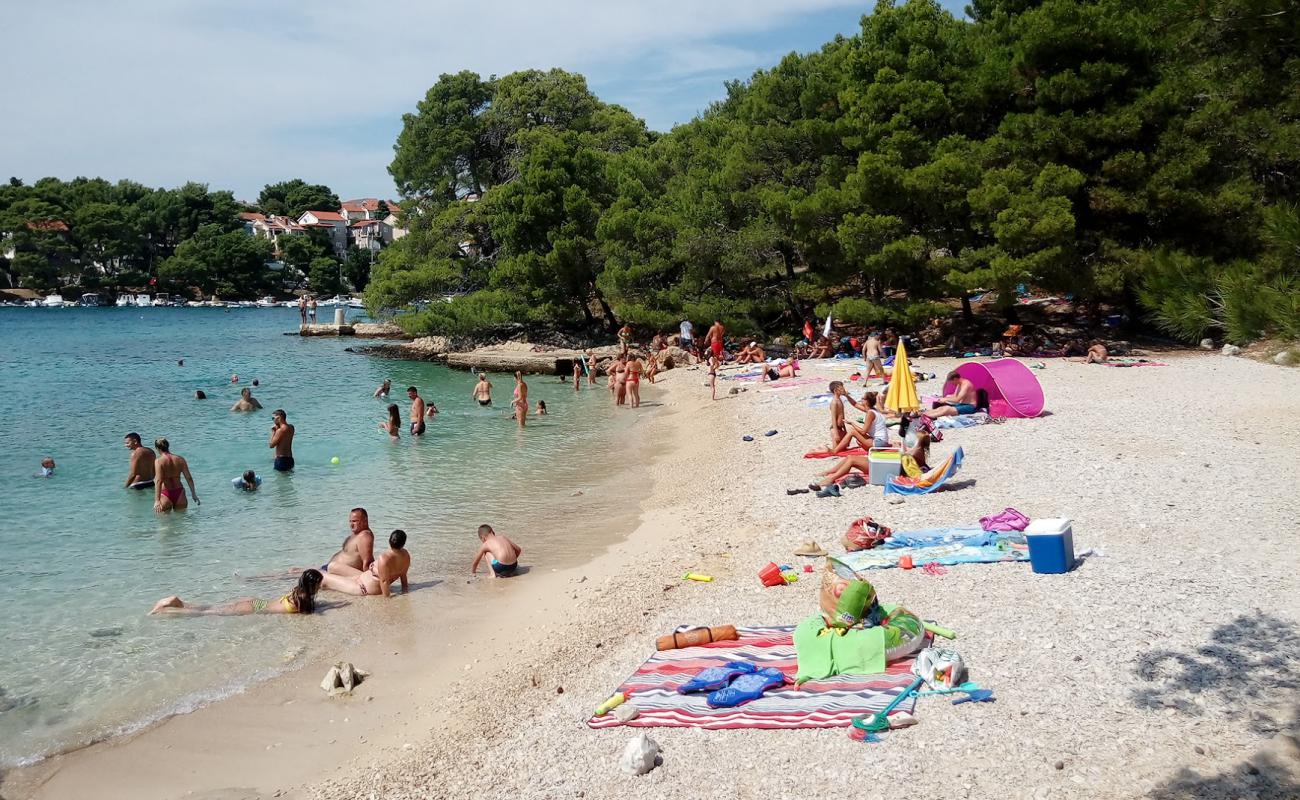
x=771, y=575
x=1051, y=546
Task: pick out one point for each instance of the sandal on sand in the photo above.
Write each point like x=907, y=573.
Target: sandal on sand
x=815, y=487
x=810, y=549
x=830, y=491
x=712, y=678
x=797, y=491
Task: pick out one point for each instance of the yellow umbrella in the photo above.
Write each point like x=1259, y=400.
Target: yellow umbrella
x=902, y=388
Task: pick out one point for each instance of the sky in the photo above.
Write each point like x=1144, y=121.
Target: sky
x=238, y=94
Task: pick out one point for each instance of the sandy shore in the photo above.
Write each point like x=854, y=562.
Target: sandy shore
x=1165, y=665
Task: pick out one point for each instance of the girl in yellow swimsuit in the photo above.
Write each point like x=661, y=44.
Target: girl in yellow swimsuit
x=300, y=600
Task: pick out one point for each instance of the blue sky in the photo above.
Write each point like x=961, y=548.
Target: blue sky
x=240, y=93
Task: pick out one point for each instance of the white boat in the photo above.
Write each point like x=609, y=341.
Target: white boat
x=355, y=302
x=161, y=300
x=53, y=301
x=143, y=300
x=124, y=300
x=90, y=300
x=245, y=304
x=267, y=302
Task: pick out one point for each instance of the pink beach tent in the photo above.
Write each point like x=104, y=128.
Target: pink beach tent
x=1012, y=387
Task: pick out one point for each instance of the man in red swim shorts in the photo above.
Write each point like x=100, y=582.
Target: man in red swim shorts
x=714, y=338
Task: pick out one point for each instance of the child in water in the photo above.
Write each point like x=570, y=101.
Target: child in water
x=47, y=468
x=503, y=553
x=541, y=408
x=247, y=482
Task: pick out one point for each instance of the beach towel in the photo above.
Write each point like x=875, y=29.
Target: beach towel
x=930, y=481
x=1006, y=520
x=829, y=703
x=790, y=383
x=962, y=421
x=946, y=546
x=1132, y=362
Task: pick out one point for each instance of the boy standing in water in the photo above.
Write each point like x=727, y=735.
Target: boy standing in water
x=504, y=554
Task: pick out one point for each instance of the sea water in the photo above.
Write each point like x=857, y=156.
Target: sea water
x=82, y=559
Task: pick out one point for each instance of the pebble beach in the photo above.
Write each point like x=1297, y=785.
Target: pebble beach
x=1164, y=665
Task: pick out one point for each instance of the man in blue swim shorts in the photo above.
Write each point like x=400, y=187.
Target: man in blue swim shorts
x=960, y=401
x=282, y=441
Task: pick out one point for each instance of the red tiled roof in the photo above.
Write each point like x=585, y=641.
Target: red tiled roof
x=56, y=225
x=366, y=223
x=324, y=216
x=252, y=216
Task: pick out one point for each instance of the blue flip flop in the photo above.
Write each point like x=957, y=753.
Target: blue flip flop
x=711, y=678
x=746, y=688
x=747, y=438
x=770, y=433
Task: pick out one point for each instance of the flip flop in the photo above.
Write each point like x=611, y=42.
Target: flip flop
x=713, y=678
x=746, y=688
x=747, y=438
x=830, y=491
x=797, y=491
x=770, y=433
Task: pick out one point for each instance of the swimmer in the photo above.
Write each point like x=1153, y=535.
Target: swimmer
x=393, y=424
x=417, y=411
x=432, y=412
x=247, y=482
x=180, y=362
x=503, y=554
x=47, y=468
x=256, y=382
x=541, y=408
x=169, y=495
x=199, y=394
x=379, y=577
x=282, y=440
x=246, y=401
x=520, y=402
x=140, y=474
x=300, y=600
x=234, y=378
x=482, y=393
x=384, y=388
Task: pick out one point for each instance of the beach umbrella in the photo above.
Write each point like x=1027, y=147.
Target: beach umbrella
x=902, y=388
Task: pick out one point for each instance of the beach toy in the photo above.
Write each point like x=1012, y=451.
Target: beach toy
x=940, y=667
x=977, y=696
x=875, y=723
x=611, y=704
x=771, y=575
x=334, y=460
x=807, y=567
x=965, y=688
x=905, y=562
x=938, y=630
x=688, y=636
x=695, y=576
x=746, y=688
x=712, y=678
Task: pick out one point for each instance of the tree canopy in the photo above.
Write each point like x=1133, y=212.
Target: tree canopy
x=1141, y=154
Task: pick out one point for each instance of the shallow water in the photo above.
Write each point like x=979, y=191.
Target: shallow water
x=84, y=559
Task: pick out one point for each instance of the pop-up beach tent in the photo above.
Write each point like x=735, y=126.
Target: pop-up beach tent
x=1012, y=387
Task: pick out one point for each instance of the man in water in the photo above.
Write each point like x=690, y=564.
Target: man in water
x=961, y=401
x=482, y=390
x=503, y=553
x=417, y=410
x=246, y=401
x=168, y=493
x=378, y=579
x=358, y=550
x=140, y=475
x=714, y=338
x=282, y=441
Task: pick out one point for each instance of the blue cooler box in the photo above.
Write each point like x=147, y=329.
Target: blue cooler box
x=1051, y=545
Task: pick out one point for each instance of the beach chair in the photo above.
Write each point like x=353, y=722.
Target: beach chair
x=930, y=481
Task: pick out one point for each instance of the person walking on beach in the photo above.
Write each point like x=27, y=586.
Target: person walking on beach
x=502, y=553
x=417, y=411
x=140, y=474
x=378, y=578
x=358, y=549
x=302, y=308
x=714, y=339
x=520, y=401
x=169, y=494
x=482, y=390
x=392, y=424
x=311, y=309
x=282, y=441
x=384, y=389
x=871, y=352
x=246, y=401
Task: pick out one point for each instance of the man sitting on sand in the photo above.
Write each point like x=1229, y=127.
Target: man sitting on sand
x=961, y=401
x=246, y=401
x=378, y=579
x=747, y=354
x=140, y=474
x=358, y=550
x=822, y=349
x=1097, y=354
x=504, y=554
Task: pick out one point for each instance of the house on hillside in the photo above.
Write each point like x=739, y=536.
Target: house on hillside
x=271, y=227
x=333, y=223
x=391, y=222
x=372, y=234
x=366, y=208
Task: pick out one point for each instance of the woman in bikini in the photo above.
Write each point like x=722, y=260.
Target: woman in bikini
x=393, y=425
x=634, y=369
x=520, y=401
x=169, y=468
x=591, y=368
x=300, y=600
x=620, y=380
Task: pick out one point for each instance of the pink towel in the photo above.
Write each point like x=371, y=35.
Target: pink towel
x=1008, y=520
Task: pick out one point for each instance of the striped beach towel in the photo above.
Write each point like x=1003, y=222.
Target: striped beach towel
x=831, y=703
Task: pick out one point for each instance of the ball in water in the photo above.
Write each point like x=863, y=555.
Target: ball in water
x=334, y=460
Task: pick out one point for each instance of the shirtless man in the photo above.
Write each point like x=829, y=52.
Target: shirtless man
x=961, y=401
x=140, y=475
x=503, y=553
x=874, y=357
x=625, y=336
x=746, y=354
x=168, y=492
x=520, y=401
x=417, y=411
x=1097, y=354
x=302, y=309
x=714, y=338
x=358, y=550
x=246, y=401
x=282, y=441
x=376, y=579
x=482, y=390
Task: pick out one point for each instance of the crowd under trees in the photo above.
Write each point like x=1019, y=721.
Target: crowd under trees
x=1133, y=155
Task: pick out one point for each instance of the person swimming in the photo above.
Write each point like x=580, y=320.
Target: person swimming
x=141, y=472
x=300, y=600
x=247, y=482
x=47, y=468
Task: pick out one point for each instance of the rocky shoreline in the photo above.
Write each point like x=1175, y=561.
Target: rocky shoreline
x=531, y=359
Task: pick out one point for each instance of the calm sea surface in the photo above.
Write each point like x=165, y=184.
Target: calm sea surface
x=82, y=559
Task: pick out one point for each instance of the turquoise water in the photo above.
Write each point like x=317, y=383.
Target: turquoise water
x=84, y=559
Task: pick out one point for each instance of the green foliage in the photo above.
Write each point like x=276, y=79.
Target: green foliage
x=323, y=276
x=291, y=198
x=356, y=267
x=226, y=264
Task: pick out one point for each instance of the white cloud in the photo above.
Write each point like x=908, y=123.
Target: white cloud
x=238, y=94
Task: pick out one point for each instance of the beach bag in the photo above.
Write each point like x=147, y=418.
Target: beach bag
x=864, y=534
x=1006, y=520
x=835, y=579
